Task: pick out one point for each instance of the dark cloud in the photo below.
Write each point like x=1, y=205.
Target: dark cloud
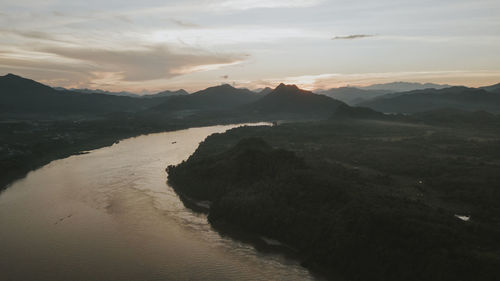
x=225, y=77
x=351, y=37
x=149, y=63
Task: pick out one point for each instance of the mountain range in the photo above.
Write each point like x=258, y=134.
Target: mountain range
x=404, y=86
x=351, y=95
x=24, y=97
x=223, y=97
x=471, y=99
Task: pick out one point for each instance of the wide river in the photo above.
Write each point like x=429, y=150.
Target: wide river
x=110, y=215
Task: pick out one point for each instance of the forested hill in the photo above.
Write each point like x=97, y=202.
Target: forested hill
x=370, y=200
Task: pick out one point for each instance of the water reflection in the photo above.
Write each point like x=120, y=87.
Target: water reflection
x=108, y=215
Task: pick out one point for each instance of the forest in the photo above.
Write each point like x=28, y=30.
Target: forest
x=367, y=199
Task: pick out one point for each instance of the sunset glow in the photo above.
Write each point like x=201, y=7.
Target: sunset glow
x=159, y=45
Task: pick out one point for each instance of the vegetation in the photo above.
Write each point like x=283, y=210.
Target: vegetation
x=370, y=199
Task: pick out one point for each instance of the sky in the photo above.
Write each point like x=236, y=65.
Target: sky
x=152, y=45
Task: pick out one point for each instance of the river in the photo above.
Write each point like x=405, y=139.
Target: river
x=110, y=215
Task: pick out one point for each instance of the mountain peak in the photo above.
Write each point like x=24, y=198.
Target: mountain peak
x=12, y=76
x=225, y=86
x=283, y=86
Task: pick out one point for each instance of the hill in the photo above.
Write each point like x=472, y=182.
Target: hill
x=346, y=111
x=264, y=91
x=425, y=100
x=352, y=96
x=167, y=93
x=386, y=197
x=24, y=97
x=224, y=97
x=290, y=100
x=493, y=88
x=98, y=91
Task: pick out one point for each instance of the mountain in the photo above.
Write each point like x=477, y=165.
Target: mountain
x=20, y=97
x=463, y=98
x=351, y=95
x=98, y=91
x=493, y=88
x=167, y=93
x=289, y=99
x=404, y=86
x=223, y=97
x=263, y=91
x=346, y=111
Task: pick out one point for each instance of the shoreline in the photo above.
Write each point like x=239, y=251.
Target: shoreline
x=260, y=242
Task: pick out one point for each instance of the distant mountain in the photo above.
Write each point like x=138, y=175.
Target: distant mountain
x=424, y=100
x=289, y=99
x=97, y=91
x=263, y=91
x=404, y=86
x=352, y=96
x=167, y=93
x=224, y=97
x=20, y=97
x=493, y=88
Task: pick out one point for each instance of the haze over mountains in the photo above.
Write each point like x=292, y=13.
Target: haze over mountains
x=356, y=95
x=166, y=93
x=24, y=96
x=464, y=98
x=404, y=86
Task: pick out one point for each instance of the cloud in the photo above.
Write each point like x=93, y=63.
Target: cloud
x=147, y=63
x=32, y=34
x=352, y=37
x=256, y=4
x=185, y=24
x=225, y=77
x=58, y=14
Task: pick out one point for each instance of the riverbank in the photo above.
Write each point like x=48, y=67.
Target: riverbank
x=365, y=199
x=27, y=144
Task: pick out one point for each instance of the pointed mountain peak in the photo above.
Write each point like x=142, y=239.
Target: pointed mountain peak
x=13, y=76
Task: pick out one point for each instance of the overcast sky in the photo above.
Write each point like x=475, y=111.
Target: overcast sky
x=153, y=45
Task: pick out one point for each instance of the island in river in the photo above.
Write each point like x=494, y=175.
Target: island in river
x=393, y=199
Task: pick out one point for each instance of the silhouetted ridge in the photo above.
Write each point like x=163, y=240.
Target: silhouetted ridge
x=289, y=99
x=345, y=111
x=223, y=97
x=457, y=97
x=352, y=96
x=22, y=97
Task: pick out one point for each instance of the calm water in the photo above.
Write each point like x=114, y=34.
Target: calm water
x=109, y=215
